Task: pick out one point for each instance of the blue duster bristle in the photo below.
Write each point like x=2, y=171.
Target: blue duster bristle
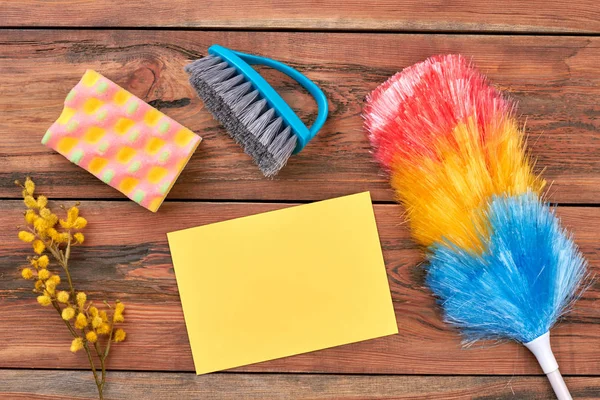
x=525, y=280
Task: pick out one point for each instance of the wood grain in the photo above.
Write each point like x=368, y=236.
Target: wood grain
x=55, y=385
x=537, y=16
x=126, y=256
x=555, y=80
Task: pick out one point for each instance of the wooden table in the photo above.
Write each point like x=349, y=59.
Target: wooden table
x=545, y=54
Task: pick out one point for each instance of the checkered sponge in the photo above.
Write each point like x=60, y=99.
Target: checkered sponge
x=122, y=140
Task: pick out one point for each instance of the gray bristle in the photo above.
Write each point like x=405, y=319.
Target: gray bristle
x=279, y=150
x=251, y=113
x=214, y=68
x=208, y=61
x=279, y=144
x=268, y=134
x=246, y=116
x=220, y=76
x=234, y=96
x=259, y=124
x=240, y=102
x=230, y=83
x=203, y=63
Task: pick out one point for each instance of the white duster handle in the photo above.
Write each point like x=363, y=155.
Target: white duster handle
x=540, y=347
x=559, y=385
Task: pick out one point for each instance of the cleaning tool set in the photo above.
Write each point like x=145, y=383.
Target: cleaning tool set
x=499, y=263
x=122, y=140
x=252, y=112
x=498, y=260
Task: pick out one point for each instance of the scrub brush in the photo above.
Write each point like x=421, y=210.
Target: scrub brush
x=251, y=111
x=499, y=262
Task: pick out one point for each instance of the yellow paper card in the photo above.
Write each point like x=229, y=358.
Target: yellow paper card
x=282, y=283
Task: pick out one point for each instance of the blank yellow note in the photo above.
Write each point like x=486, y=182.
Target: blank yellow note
x=282, y=283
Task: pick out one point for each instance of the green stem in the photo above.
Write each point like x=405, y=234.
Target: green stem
x=65, y=266
x=99, y=384
x=57, y=307
x=68, y=249
x=101, y=357
x=63, y=261
x=106, y=350
x=112, y=327
x=86, y=347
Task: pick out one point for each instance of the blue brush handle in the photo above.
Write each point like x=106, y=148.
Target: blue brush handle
x=242, y=62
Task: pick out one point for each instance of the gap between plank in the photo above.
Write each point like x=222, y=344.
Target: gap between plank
x=290, y=373
x=310, y=30
x=261, y=201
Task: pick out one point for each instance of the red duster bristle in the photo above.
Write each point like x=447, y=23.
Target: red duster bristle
x=414, y=107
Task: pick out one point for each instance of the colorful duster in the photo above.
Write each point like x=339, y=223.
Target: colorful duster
x=498, y=260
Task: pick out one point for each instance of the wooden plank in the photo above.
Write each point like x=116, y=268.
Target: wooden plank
x=467, y=15
x=48, y=385
x=555, y=80
x=126, y=256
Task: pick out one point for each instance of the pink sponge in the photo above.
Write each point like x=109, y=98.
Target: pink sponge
x=122, y=140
